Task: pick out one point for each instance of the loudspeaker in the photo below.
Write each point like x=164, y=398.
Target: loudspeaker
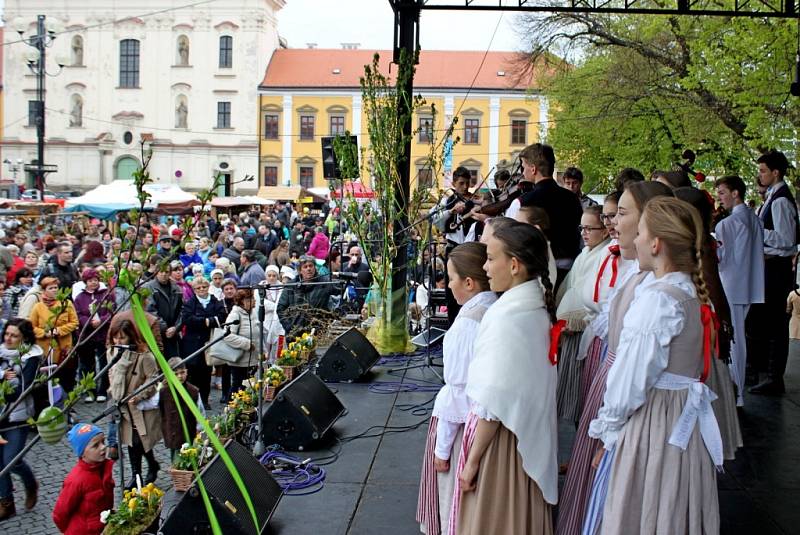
x=350, y=356
x=190, y=516
x=330, y=161
x=301, y=413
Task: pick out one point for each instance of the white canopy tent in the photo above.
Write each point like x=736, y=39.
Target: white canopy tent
x=124, y=192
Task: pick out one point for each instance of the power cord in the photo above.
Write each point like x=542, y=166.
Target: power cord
x=296, y=477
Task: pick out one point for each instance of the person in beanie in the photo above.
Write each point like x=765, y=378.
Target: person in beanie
x=88, y=489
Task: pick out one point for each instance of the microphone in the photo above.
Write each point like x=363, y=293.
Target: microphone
x=232, y=322
x=344, y=275
x=130, y=347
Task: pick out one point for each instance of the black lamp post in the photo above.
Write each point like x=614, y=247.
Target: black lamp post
x=43, y=39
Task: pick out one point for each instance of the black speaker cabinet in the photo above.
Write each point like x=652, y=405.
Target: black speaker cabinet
x=189, y=516
x=350, y=356
x=301, y=413
x=330, y=160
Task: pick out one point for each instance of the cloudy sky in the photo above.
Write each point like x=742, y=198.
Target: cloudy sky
x=328, y=23
x=370, y=23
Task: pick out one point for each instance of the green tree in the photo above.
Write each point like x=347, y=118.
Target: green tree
x=640, y=89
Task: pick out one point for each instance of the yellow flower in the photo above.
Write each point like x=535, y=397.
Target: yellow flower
x=132, y=504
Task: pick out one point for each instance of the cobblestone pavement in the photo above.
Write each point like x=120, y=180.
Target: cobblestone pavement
x=51, y=464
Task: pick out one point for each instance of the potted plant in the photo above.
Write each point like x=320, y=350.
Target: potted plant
x=306, y=344
x=274, y=377
x=189, y=456
x=137, y=513
x=289, y=361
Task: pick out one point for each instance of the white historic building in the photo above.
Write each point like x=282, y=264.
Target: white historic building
x=187, y=78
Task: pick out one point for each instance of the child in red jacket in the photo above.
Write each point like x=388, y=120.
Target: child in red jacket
x=88, y=489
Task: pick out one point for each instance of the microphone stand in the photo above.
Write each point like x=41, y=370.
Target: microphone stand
x=258, y=447
x=428, y=363
x=118, y=404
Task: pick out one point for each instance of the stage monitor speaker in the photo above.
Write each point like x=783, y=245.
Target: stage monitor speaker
x=301, y=413
x=189, y=514
x=350, y=356
x=330, y=160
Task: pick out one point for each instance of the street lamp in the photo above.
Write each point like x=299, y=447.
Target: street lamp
x=44, y=38
x=14, y=167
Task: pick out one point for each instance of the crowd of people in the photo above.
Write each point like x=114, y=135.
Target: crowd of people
x=61, y=305
x=639, y=320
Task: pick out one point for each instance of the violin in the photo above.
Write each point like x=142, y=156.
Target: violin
x=502, y=200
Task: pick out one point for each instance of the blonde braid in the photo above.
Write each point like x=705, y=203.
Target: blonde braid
x=697, y=276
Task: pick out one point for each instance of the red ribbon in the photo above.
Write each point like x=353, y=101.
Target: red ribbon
x=555, y=336
x=710, y=321
x=614, y=257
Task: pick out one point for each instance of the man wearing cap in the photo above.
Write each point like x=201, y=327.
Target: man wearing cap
x=296, y=304
x=165, y=245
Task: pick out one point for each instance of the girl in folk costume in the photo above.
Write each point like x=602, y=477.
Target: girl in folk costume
x=719, y=380
x=572, y=311
x=661, y=439
x=595, y=293
x=507, y=474
x=606, y=326
x=470, y=287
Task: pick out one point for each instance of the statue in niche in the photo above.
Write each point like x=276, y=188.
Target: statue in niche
x=76, y=113
x=183, y=51
x=77, y=51
x=181, y=115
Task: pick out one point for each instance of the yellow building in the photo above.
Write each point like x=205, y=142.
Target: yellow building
x=308, y=94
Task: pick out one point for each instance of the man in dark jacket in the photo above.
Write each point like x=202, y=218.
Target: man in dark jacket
x=166, y=303
x=234, y=252
x=266, y=241
x=297, y=239
x=295, y=307
x=60, y=267
x=562, y=206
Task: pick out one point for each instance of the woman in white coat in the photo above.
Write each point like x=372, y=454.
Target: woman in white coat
x=244, y=336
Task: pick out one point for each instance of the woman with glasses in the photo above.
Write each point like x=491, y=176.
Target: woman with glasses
x=572, y=310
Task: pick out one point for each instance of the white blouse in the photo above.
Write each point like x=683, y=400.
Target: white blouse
x=584, y=268
x=652, y=321
x=452, y=406
x=598, y=314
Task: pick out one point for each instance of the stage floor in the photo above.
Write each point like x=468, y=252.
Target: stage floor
x=372, y=487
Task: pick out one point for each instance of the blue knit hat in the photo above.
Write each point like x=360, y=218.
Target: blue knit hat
x=80, y=435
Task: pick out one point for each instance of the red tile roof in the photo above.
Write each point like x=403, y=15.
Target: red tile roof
x=437, y=69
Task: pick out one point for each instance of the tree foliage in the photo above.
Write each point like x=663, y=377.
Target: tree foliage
x=637, y=90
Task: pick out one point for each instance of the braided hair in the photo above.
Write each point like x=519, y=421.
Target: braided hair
x=529, y=246
x=678, y=225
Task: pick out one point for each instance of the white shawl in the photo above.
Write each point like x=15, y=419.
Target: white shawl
x=512, y=379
